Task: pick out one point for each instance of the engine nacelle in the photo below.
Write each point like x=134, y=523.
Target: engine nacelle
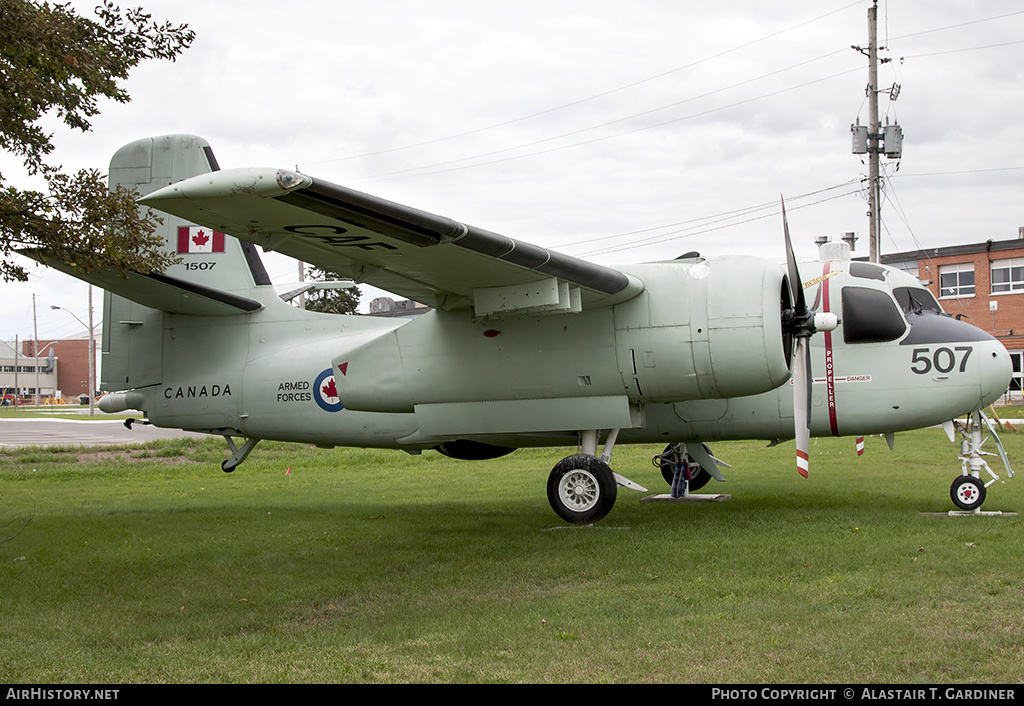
x=700, y=329
x=704, y=329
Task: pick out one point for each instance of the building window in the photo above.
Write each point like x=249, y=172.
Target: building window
x=1017, y=377
x=956, y=280
x=1008, y=275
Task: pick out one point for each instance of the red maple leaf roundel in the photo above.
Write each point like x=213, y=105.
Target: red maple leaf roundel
x=330, y=390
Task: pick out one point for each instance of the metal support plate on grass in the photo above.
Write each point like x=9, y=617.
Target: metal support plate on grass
x=666, y=498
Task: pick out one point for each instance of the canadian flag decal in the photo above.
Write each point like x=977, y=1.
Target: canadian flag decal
x=197, y=239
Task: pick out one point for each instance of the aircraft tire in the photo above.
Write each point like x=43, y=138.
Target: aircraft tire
x=668, y=472
x=581, y=489
x=967, y=492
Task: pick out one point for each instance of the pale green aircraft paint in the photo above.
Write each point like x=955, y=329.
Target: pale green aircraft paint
x=524, y=347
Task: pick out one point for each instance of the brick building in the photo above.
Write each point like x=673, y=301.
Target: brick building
x=68, y=376
x=981, y=283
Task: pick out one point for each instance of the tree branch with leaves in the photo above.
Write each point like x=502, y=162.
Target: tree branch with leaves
x=330, y=301
x=56, y=62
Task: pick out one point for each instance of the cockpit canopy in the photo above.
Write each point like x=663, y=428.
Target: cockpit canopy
x=879, y=315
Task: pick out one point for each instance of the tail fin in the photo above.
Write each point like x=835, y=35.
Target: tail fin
x=215, y=276
x=209, y=259
x=216, y=271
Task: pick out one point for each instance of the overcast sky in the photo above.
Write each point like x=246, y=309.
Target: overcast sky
x=618, y=132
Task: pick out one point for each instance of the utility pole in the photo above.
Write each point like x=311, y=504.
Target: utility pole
x=872, y=89
x=92, y=350
x=92, y=360
x=35, y=335
x=870, y=139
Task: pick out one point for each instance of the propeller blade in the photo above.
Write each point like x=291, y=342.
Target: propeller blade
x=795, y=285
x=801, y=327
x=802, y=404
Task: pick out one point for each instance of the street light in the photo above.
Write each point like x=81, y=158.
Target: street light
x=92, y=351
x=36, y=366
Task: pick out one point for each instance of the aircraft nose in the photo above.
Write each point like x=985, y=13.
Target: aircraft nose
x=989, y=359
x=996, y=371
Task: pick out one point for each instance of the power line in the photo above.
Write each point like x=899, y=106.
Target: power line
x=956, y=26
x=471, y=161
x=688, y=232
x=714, y=218
x=959, y=51
x=956, y=172
x=437, y=167
x=591, y=98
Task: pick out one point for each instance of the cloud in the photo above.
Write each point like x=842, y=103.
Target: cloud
x=580, y=124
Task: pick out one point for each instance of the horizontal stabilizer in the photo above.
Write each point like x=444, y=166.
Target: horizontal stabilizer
x=158, y=291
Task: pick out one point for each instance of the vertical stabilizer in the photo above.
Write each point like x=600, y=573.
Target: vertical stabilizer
x=210, y=262
x=208, y=258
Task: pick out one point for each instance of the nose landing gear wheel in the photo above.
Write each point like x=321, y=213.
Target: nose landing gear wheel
x=582, y=489
x=967, y=492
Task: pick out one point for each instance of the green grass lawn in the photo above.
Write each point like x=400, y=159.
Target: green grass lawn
x=154, y=566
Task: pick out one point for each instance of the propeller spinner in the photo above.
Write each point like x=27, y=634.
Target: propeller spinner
x=801, y=323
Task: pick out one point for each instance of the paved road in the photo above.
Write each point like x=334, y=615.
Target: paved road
x=15, y=433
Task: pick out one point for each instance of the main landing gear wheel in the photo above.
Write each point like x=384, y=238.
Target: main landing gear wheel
x=582, y=489
x=967, y=492
x=698, y=476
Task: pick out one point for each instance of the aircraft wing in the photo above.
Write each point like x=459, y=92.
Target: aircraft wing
x=427, y=258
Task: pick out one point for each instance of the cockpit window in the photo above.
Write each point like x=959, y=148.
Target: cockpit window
x=916, y=300
x=870, y=316
x=866, y=270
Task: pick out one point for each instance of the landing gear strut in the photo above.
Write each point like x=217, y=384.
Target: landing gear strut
x=238, y=454
x=968, y=490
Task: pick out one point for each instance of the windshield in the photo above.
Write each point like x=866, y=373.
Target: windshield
x=916, y=300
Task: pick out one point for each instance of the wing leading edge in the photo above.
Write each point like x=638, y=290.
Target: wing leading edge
x=428, y=258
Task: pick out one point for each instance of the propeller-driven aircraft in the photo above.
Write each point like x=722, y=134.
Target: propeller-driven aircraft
x=523, y=346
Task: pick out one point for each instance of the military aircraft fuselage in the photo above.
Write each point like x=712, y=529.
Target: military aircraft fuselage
x=657, y=367
x=524, y=346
